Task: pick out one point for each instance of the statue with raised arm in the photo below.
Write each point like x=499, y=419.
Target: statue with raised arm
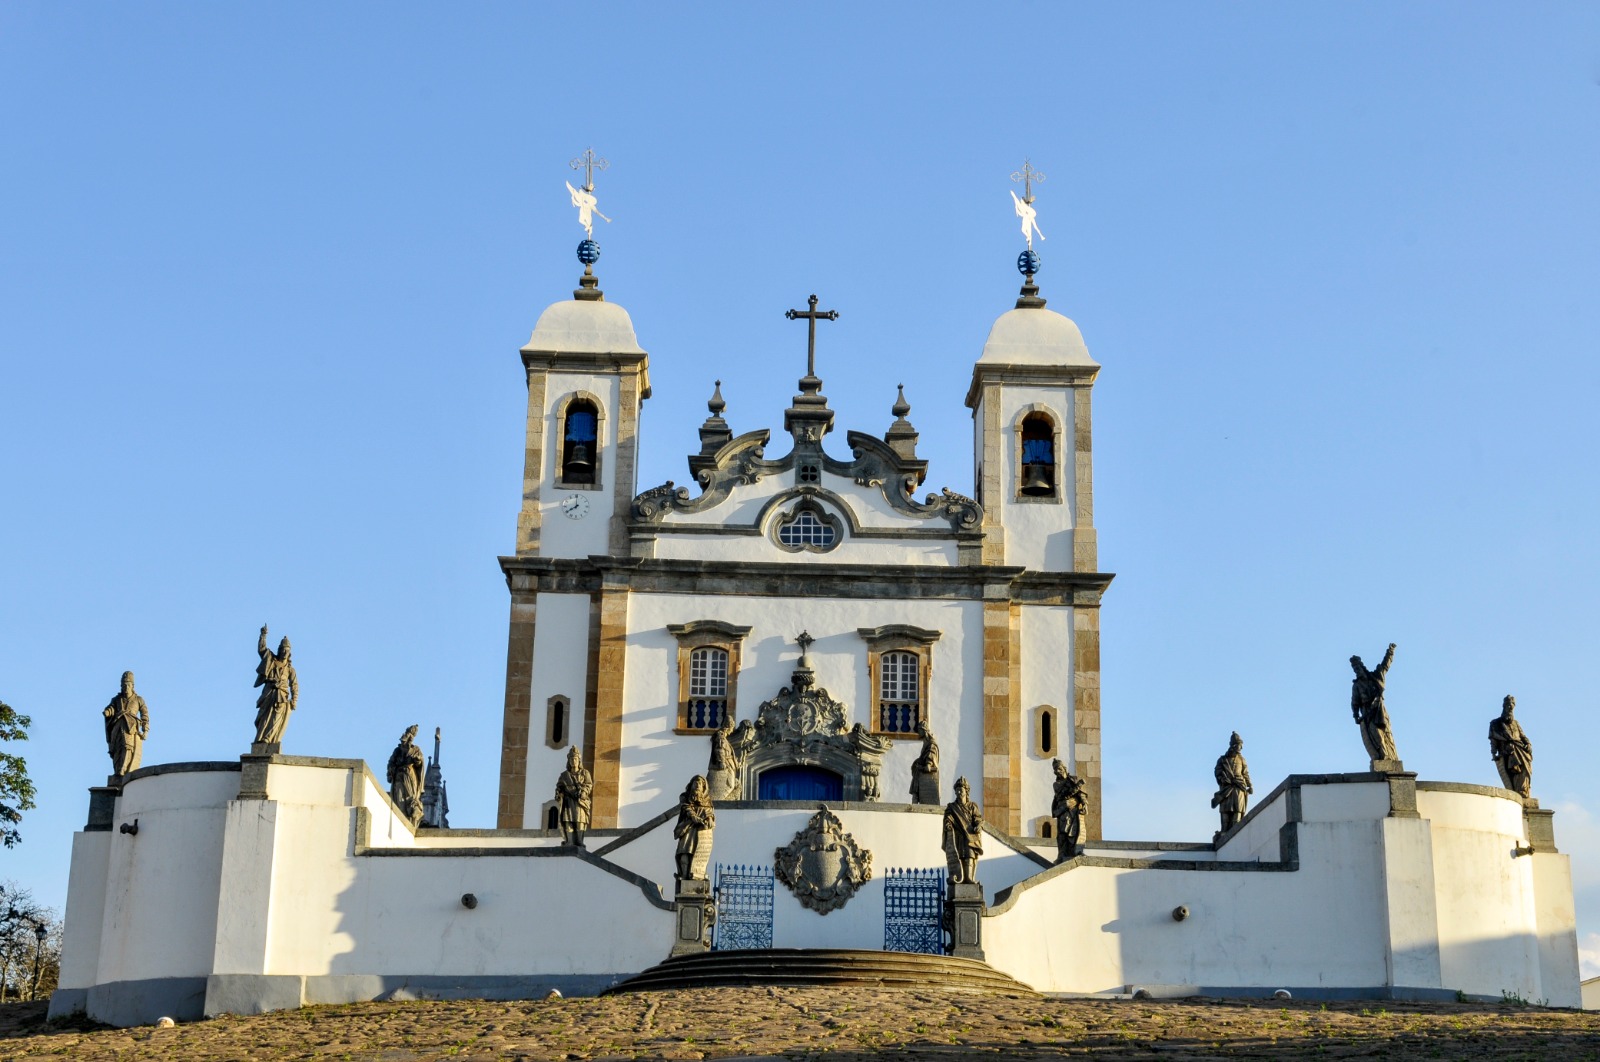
x=280, y=691
x=1366, y=705
x=1030, y=219
x=696, y=821
x=127, y=723
x=963, y=835
x=1233, y=785
x=1069, y=801
x=925, y=768
x=575, y=798
x=1511, y=749
x=405, y=777
x=583, y=199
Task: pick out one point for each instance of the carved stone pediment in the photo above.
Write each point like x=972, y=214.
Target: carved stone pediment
x=800, y=714
x=874, y=463
x=823, y=866
x=804, y=726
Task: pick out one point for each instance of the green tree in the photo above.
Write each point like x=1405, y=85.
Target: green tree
x=16, y=789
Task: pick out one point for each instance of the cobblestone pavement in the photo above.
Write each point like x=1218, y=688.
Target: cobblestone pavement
x=829, y=1025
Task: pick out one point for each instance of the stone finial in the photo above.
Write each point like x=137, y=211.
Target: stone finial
x=901, y=436
x=280, y=694
x=405, y=777
x=714, y=433
x=1233, y=786
x=1366, y=706
x=575, y=798
x=435, y=798
x=1511, y=749
x=1069, y=801
x=127, y=724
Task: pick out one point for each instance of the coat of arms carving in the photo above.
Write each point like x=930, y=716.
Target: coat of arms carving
x=823, y=866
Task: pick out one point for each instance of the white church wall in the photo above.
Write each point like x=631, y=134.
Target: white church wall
x=162, y=883
x=1487, y=909
x=86, y=904
x=1556, y=919
x=560, y=536
x=657, y=763
x=560, y=669
x=1096, y=929
x=1046, y=680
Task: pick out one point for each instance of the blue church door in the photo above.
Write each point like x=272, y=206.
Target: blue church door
x=799, y=783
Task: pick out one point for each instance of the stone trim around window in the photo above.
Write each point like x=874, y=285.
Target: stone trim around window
x=1047, y=733
x=1058, y=493
x=558, y=721
x=898, y=638
x=817, y=530
x=706, y=634
x=559, y=442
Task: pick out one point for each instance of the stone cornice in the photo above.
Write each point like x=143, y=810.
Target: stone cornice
x=968, y=582
x=1047, y=375
x=547, y=361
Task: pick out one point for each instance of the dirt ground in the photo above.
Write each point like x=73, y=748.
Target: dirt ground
x=829, y=1025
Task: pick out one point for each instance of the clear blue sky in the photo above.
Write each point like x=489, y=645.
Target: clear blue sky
x=264, y=271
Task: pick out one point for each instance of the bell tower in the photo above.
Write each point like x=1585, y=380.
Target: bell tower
x=587, y=380
x=1033, y=470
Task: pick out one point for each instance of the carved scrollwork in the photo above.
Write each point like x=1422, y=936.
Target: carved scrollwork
x=963, y=512
x=657, y=500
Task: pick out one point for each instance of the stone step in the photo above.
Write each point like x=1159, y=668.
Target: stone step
x=819, y=966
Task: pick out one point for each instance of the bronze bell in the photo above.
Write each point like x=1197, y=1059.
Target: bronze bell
x=579, y=466
x=1037, y=480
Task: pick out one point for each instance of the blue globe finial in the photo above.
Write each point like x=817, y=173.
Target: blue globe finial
x=588, y=252
x=1028, y=262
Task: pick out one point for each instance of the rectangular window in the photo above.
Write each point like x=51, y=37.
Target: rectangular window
x=708, y=688
x=899, y=692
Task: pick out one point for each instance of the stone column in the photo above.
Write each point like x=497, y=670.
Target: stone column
x=603, y=721
x=1086, y=710
x=1002, y=718
x=515, y=724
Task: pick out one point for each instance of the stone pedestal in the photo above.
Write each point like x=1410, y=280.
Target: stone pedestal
x=696, y=912
x=964, y=908
x=1402, y=792
x=253, y=776
x=265, y=748
x=1540, y=826
x=102, y=807
x=1387, y=766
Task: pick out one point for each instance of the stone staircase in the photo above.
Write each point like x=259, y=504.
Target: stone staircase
x=820, y=966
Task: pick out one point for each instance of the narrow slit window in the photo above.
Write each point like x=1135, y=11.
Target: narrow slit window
x=1047, y=732
x=552, y=818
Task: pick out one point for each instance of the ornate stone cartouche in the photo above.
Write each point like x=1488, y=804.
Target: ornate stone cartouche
x=823, y=866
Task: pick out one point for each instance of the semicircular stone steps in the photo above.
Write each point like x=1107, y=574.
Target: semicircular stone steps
x=823, y=966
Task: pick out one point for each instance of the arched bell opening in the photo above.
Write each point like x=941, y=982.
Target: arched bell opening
x=1038, y=476
x=580, y=434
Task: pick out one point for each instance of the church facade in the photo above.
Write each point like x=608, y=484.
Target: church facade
x=755, y=696
x=639, y=623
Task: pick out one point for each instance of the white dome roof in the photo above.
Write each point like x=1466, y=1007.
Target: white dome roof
x=1035, y=336
x=581, y=326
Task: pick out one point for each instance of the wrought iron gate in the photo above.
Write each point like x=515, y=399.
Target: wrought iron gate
x=913, y=903
x=744, y=907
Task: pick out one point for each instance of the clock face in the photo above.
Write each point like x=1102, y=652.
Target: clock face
x=575, y=506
